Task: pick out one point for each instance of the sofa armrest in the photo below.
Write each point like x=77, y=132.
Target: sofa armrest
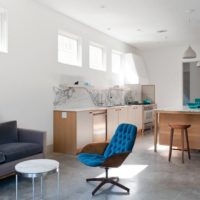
x=32, y=136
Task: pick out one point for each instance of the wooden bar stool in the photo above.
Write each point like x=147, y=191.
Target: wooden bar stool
x=184, y=131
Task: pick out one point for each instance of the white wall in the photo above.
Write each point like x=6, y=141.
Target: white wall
x=164, y=67
x=30, y=69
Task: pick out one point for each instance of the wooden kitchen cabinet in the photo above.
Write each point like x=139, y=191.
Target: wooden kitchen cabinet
x=75, y=129
x=115, y=116
x=135, y=116
x=72, y=130
x=130, y=114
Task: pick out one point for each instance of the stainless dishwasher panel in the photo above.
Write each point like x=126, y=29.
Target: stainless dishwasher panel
x=99, y=126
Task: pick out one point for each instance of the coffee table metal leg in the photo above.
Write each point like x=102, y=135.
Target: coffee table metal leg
x=16, y=180
x=58, y=184
x=41, y=187
x=33, y=188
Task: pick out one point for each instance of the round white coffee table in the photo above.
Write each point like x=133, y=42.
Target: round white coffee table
x=35, y=169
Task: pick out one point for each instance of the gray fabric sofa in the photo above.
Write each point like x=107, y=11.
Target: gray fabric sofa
x=17, y=145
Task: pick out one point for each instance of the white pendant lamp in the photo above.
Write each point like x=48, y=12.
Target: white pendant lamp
x=189, y=53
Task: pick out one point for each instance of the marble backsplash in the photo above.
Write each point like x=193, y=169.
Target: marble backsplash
x=86, y=96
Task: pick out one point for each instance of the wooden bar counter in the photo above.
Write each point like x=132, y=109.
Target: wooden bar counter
x=162, y=118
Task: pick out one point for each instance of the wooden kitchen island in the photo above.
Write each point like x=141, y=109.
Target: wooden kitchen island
x=162, y=118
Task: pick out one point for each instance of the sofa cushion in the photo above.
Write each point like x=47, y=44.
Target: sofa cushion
x=15, y=151
x=8, y=132
x=2, y=157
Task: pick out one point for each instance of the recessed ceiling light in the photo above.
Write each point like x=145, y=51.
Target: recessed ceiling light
x=103, y=6
x=162, y=31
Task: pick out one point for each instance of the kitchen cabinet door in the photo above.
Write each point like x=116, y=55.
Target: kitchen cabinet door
x=112, y=122
x=84, y=128
x=135, y=116
x=122, y=115
x=99, y=126
x=131, y=115
x=139, y=117
x=64, y=132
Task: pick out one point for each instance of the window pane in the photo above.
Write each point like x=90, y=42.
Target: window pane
x=68, y=52
x=116, y=62
x=3, y=30
x=97, y=58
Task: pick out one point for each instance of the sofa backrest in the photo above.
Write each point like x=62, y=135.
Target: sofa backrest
x=8, y=132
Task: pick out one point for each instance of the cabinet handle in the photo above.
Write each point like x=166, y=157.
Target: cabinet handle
x=100, y=113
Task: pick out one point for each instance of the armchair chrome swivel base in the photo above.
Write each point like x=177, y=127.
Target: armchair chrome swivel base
x=111, y=180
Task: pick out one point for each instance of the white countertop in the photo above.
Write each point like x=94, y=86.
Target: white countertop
x=89, y=108
x=79, y=109
x=179, y=109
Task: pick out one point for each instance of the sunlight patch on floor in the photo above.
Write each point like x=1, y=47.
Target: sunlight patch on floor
x=125, y=171
x=159, y=147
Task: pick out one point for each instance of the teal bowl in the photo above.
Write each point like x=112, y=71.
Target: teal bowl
x=193, y=105
x=197, y=100
x=147, y=101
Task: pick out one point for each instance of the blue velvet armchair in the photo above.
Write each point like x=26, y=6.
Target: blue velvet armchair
x=109, y=155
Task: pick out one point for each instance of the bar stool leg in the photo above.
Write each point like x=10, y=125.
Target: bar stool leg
x=171, y=143
x=188, y=146
x=182, y=138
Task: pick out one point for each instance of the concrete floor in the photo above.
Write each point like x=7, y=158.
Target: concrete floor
x=147, y=174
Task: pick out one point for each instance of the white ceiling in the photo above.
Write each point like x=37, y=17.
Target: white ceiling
x=137, y=21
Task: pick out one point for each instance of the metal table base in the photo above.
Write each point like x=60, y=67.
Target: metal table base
x=41, y=176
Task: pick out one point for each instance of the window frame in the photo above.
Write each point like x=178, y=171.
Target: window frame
x=121, y=60
x=3, y=30
x=78, y=62
x=102, y=68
